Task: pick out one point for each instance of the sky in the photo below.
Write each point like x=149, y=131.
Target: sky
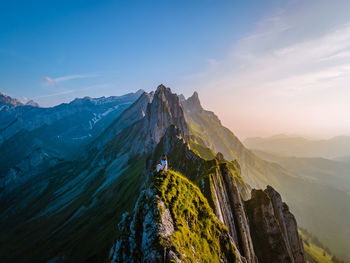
x=264, y=67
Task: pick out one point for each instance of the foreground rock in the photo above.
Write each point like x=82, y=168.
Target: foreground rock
x=273, y=228
x=173, y=222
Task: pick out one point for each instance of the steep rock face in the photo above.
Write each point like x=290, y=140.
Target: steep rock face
x=141, y=234
x=131, y=115
x=273, y=236
x=288, y=225
x=164, y=110
x=173, y=222
x=266, y=233
x=192, y=104
x=235, y=203
x=322, y=201
x=219, y=186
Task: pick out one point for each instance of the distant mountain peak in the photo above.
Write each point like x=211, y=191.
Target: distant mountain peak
x=161, y=87
x=32, y=103
x=5, y=99
x=193, y=103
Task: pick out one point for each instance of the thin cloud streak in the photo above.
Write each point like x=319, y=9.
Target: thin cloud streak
x=54, y=81
x=281, y=79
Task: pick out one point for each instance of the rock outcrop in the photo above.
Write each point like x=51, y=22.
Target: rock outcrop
x=236, y=207
x=173, y=222
x=165, y=130
x=288, y=225
x=273, y=228
x=142, y=137
x=192, y=104
x=222, y=186
x=165, y=110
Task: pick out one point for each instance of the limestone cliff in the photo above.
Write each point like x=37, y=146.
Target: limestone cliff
x=229, y=204
x=273, y=228
x=203, y=218
x=288, y=225
x=173, y=222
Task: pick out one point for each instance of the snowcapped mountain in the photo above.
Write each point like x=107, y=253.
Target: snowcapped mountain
x=32, y=139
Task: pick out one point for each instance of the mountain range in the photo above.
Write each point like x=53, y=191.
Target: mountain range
x=33, y=139
x=71, y=173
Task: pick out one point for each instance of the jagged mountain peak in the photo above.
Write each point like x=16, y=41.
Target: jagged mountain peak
x=8, y=100
x=5, y=99
x=32, y=103
x=165, y=110
x=167, y=96
x=193, y=104
x=162, y=87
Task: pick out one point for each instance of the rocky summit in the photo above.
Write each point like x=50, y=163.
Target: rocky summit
x=103, y=202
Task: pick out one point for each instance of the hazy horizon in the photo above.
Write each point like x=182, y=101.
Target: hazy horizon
x=263, y=68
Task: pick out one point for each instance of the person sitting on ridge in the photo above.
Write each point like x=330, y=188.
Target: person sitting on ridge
x=163, y=165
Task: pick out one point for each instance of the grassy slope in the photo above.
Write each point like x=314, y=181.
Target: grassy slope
x=202, y=151
x=198, y=234
x=314, y=253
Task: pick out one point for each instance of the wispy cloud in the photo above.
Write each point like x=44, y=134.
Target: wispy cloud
x=293, y=69
x=54, y=81
x=48, y=80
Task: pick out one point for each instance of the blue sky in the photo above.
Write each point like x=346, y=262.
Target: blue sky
x=54, y=51
x=117, y=45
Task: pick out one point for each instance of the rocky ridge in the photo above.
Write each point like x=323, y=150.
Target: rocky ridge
x=202, y=200
x=221, y=184
x=173, y=222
